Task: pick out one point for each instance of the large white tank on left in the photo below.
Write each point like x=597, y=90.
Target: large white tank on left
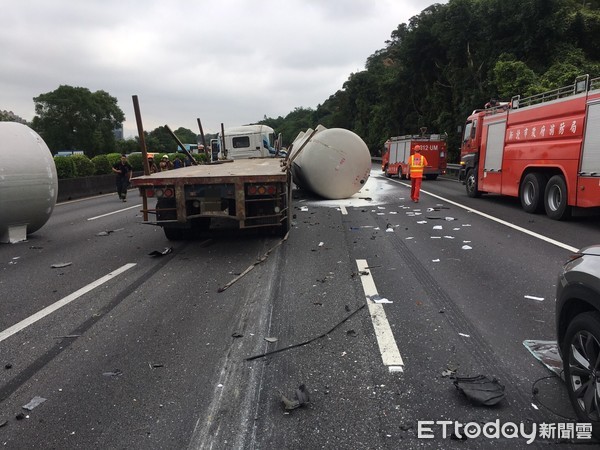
x=28, y=182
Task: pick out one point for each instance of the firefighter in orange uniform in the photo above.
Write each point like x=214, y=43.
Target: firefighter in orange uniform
x=417, y=163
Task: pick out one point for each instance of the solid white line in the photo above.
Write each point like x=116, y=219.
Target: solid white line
x=390, y=354
x=344, y=210
x=59, y=304
x=502, y=222
x=115, y=212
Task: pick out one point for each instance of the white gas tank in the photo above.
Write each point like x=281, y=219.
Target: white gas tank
x=334, y=164
x=28, y=182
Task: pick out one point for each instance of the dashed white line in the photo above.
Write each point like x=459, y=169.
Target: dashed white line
x=115, y=212
x=390, y=355
x=59, y=304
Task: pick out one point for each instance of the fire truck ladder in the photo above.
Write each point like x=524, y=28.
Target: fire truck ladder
x=582, y=84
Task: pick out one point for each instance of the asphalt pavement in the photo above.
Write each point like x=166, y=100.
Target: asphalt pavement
x=374, y=305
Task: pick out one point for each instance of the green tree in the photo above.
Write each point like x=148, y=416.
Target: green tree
x=73, y=118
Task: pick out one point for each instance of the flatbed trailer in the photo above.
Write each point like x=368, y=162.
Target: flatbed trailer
x=253, y=192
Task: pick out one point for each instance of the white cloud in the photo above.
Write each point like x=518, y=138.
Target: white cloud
x=230, y=61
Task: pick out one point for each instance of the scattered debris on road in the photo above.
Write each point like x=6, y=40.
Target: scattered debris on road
x=271, y=339
x=164, y=252
x=546, y=352
x=480, y=390
x=35, y=401
x=60, y=265
x=532, y=297
x=114, y=373
x=302, y=397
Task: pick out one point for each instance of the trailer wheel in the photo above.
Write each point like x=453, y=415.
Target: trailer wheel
x=556, y=199
x=387, y=173
x=471, y=184
x=532, y=192
x=431, y=176
x=174, y=234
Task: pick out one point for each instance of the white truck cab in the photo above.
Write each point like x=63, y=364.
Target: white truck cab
x=248, y=141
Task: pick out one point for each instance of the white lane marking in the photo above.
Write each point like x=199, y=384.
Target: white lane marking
x=390, y=354
x=115, y=212
x=62, y=302
x=502, y=222
x=343, y=209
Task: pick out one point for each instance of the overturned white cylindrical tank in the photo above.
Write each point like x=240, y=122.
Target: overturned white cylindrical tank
x=28, y=182
x=334, y=164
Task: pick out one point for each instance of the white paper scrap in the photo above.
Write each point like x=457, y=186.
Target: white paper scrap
x=531, y=297
x=464, y=335
x=410, y=237
x=467, y=247
x=437, y=227
x=321, y=244
x=435, y=260
x=435, y=237
x=304, y=208
x=421, y=222
x=389, y=230
x=449, y=237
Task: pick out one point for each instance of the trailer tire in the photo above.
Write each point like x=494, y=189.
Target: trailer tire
x=531, y=193
x=432, y=177
x=471, y=183
x=387, y=173
x=556, y=199
x=175, y=234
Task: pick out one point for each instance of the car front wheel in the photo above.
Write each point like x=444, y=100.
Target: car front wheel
x=581, y=357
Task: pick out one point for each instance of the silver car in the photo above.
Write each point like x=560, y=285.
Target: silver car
x=578, y=332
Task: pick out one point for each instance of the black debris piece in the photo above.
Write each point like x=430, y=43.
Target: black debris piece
x=8, y=366
x=2, y=424
x=237, y=335
x=20, y=416
x=480, y=390
x=166, y=251
x=351, y=333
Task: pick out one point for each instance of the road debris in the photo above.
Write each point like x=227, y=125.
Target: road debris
x=531, y=297
x=271, y=339
x=546, y=352
x=480, y=390
x=302, y=397
x=376, y=298
x=60, y=265
x=237, y=335
x=263, y=258
x=114, y=373
x=301, y=344
x=467, y=247
x=464, y=335
x=35, y=401
x=164, y=252
x=2, y=424
x=351, y=333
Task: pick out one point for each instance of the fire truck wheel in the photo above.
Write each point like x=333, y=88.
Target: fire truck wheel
x=532, y=192
x=387, y=173
x=471, y=184
x=556, y=199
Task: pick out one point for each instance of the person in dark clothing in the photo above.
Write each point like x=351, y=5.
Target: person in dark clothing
x=124, y=172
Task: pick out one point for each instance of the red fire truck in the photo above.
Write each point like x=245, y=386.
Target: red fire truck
x=544, y=149
x=398, y=149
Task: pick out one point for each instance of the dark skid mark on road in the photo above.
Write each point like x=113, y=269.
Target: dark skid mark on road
x=14, y=384
x=478, y=347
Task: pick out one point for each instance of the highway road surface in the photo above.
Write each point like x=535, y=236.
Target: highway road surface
x=362, y=319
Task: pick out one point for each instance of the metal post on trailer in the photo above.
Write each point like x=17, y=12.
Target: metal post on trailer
x=140, y=127
x=189, y=155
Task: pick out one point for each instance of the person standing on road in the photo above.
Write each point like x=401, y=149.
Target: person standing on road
x=417, y=163
x=124, y=172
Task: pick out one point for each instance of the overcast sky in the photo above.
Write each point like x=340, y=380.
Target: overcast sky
x=230, y=61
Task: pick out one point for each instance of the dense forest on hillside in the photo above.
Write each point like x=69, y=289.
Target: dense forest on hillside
x=451, y=59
